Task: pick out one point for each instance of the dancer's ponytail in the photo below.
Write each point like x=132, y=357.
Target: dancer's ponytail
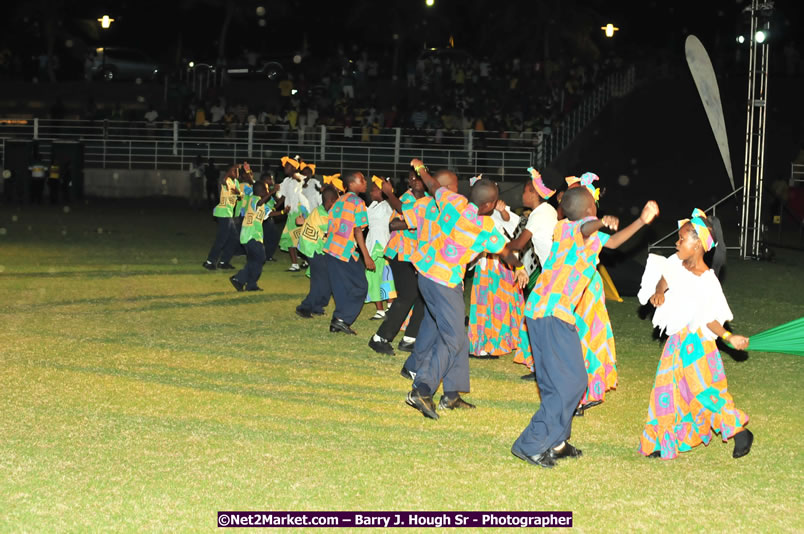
x=717, y=257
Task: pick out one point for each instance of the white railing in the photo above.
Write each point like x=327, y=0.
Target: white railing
x=172, y=145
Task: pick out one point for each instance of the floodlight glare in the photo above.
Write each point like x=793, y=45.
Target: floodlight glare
x=429, y=3
x=609, y=29
x=105, y=21
x=741, y=39
x=760, y=36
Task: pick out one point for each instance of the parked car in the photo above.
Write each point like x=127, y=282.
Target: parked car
x=124, y=64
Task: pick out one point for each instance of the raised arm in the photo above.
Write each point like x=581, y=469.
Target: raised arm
x=395, y=203
x=521, y=241
x=429, y=182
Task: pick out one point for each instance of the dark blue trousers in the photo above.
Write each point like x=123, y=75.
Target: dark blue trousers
x=255, y=259
x=226, y=240
x=441, y=352
x=271, y=237
x=320, y=290
x=240, y=249
x=561, y=375
x=349, y=287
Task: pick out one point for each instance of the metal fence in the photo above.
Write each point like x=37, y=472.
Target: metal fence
x=173, y=145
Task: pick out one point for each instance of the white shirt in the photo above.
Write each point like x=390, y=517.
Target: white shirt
x=311, y=192
x=379, y=215
x=692, y=301
x=217, y=113
x=541, y=223
x=291, y=190
x=506, y=228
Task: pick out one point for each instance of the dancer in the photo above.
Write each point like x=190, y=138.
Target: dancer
x=251, y=238
x=295, y=204
x=496, y=301
x=690, y=397
x=226, y=238
x=538, y=231
x=460, y=231
x=381, y=286
x=401, y=246
x=311, y=244
x=557, y=354
x=343, y=247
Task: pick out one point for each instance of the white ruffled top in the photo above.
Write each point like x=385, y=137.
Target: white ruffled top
x=690, y=301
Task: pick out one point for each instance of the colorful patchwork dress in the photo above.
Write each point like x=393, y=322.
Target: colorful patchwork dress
x=690, y=397
x=496, y=310
x=594, y=329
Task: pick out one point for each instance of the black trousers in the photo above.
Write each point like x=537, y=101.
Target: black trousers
x=407, y=297
x=271, y=237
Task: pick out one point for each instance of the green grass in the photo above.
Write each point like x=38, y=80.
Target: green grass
x=140, y=392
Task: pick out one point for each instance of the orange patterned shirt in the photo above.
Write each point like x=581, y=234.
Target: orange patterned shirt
x=348, y=213
x=458, y=235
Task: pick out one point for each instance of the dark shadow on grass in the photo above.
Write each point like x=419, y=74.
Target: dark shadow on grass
x=99, y=274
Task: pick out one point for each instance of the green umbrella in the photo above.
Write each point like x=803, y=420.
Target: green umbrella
x=787, y=338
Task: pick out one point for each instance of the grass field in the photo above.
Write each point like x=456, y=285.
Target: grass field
x=140, y=392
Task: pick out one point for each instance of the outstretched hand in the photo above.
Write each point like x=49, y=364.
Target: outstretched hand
x=522, y=278
x=611, y=222
x=739, y=342
x=415, y=162
x=649, y=212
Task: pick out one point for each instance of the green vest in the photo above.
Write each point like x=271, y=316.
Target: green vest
x=252, y=222
x=225, y=207
x=240, y=205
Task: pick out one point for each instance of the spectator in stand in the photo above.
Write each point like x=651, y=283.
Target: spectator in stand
x=217, y=112
x=286, y=87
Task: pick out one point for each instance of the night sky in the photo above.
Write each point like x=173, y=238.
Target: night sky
x=483, y=28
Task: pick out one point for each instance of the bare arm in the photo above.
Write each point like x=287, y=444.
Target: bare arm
x=739, y=342
x=657, y=299
x=520, y=242
x=397, y=224
x=392, y=199
x=361, y=244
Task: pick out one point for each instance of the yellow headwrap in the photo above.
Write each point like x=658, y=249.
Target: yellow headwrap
x=293, y=162
x=335, y=181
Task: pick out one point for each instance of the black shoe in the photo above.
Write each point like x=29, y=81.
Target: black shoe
x=255, y=288
x=410, y=375
x=567, y=451
x=591, y=404
x=545, y=459
x=304, y=264
x=484, y=357
x=208, y=265
x=529, y=376
x=317, y=313
x=423, y=404
x=225, y=265
x=578, y=412
x=655, y=454
x=454, y=404
x=270, y=259
x=742, y=443
x=406, y=346
x=238, y=285
x=337, y=325
x=382, y=347
x=304, y=314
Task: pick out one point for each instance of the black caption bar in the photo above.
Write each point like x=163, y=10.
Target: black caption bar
x=395, y=519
